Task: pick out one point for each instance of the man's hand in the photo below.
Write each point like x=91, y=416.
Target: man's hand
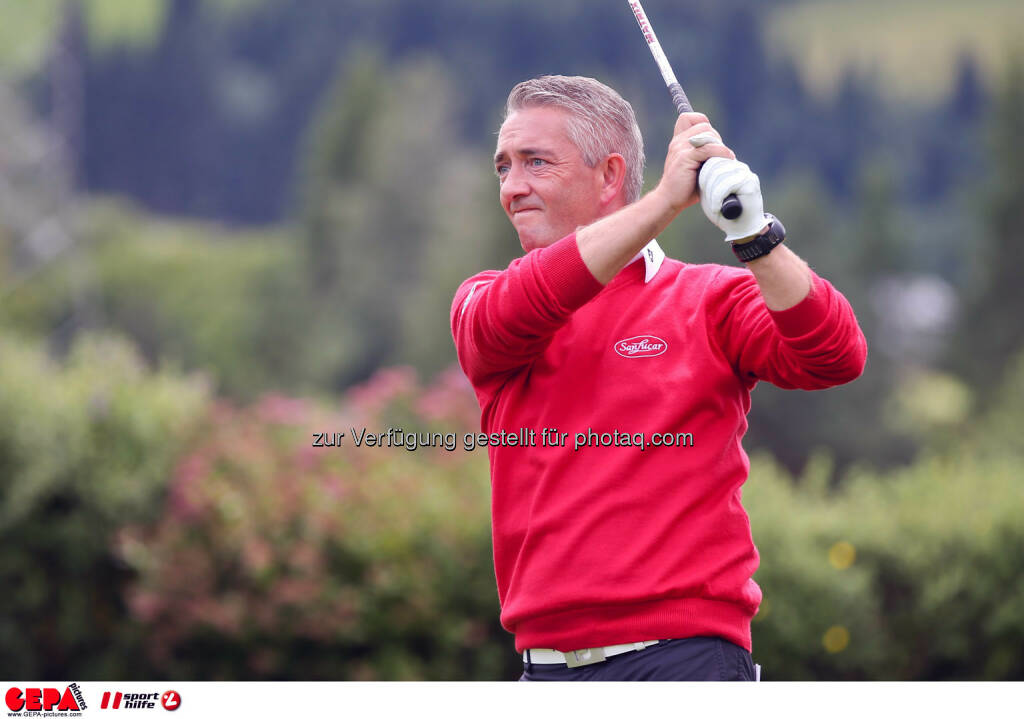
x=720, y=178
x=612, y=241
x=679, y=182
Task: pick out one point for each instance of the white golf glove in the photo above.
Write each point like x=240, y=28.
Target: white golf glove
x=720, y=178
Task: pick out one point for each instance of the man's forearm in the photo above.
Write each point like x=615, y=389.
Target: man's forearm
x=608, y=245
x=783, y=277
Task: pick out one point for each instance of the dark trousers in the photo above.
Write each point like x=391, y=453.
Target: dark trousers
x=674, y=660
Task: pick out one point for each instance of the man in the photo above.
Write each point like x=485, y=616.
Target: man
x=621, y=549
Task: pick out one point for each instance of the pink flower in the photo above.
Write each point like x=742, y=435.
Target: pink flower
x=450, y=398
x=383, y=387
x=257, y=555
x=146, y=606
x=279, y=409
x=188, y=478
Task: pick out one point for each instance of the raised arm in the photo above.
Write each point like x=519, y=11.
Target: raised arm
x=501, y=321
x=608, y=244
x=813, y=344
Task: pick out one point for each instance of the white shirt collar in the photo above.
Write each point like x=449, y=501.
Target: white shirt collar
x=653, y=256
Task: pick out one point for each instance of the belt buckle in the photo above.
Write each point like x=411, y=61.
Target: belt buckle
x=583, y=657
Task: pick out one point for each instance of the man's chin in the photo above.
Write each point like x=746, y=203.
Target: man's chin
x=531, y=243
x=536, y=240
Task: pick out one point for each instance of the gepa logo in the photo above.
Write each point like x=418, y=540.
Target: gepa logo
x=641, y=346
x=34, y=699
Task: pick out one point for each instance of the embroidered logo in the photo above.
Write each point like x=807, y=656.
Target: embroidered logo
x=641, y=346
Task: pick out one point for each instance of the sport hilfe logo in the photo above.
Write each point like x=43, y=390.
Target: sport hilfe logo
x=641, y=346
x=169, y=700
x=34, y=699
x=132, y=700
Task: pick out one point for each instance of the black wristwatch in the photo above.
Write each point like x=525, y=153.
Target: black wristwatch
x=762, y=244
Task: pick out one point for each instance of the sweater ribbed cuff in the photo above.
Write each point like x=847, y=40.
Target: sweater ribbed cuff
x=807, y=315
x=567, y=275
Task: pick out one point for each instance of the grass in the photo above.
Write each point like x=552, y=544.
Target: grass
x=910, y=46
x=25, y=30
x=27, y=27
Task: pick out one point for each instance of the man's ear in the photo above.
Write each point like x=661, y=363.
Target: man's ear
x=613, y=176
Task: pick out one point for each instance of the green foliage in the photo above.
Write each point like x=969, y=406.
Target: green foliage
x=395, y=211
x=85, y=446
x=990, y=330
x=28, y=29
x=935, y=591
x=393, y=219
x=945, y=28
x=25, y=32
x=113, y=22
x=28, y=187
x=913, y=52
x=225, y=302
x=29, y=26
x=998, y=432
x=259, y=556
x=276, y=559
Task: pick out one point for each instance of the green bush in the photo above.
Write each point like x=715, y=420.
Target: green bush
x=85, y=447
x=935, y=589
x=146, y=535
x=276, y=559
x=229, y=303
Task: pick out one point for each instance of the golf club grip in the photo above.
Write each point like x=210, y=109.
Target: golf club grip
x=679, y=98
x=731, y=205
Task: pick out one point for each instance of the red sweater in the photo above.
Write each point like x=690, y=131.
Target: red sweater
x=612, y=544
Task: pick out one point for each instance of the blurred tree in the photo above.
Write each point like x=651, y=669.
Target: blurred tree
x=743, y=74
x=27, y=197
x=35, y=207
x=990, y=330
x=879, y=241
x=785, y=111
x=477, y=237
x=968, y=99
x=339, y=156
x=851, y=129
x=142, y=117
x=392, y=218
x=942, y=159
x=86, y=446
x=67, y=80
x=228, y=303
x=851, y=253
x=205, y=121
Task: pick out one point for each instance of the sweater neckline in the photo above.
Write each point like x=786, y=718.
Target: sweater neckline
x=643, y=268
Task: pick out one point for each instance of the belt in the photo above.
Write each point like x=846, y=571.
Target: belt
x=582, y=657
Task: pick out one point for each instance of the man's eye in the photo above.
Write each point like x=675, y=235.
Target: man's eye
x=501, y=170
x=537, y=162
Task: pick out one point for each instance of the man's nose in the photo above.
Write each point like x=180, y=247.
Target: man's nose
x=514, y=186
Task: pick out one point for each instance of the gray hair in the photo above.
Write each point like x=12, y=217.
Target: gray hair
x=600, y=121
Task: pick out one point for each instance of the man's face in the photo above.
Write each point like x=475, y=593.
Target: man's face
x=545, y=188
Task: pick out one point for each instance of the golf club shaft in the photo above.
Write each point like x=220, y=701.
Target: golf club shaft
x=731, y=206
